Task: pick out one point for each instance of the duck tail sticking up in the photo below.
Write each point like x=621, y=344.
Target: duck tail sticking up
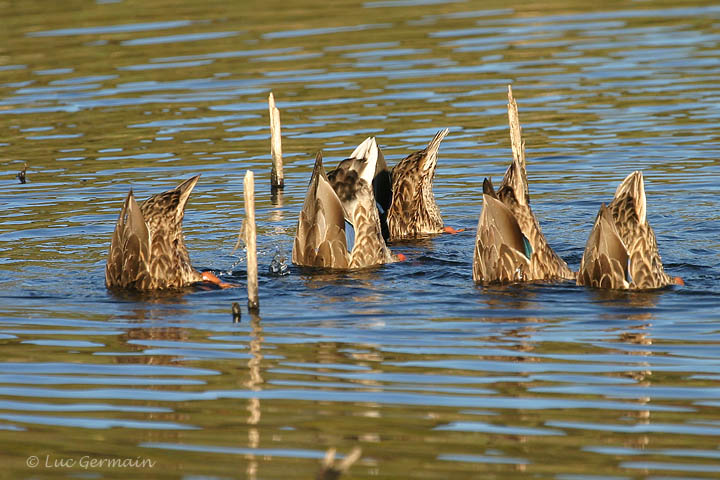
x=624, y=223
x=320, y=236
x=147, y=250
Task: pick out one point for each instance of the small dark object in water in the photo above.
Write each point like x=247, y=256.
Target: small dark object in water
x=237, y=313
x=21, y=174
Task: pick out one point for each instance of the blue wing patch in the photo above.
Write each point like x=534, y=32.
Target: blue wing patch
x=349, y=235
x=528, y=247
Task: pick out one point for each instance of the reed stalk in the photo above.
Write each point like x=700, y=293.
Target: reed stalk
x=250, y=241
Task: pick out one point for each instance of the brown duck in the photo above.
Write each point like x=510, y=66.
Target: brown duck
x=509, y=245
x=339, y=226
x=147, y=251
x=405, y=196
x=621, y=252
x=413, y=211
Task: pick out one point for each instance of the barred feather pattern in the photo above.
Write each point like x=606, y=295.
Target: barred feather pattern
x=413, y=211
x=322, y=247
x=331, y=199
x=602, y=271
x=320, y=236
x=358, y=201
x=147, y=250
x=605, y=259
x=627, y=212
x=495, y=260
x=544, y=263
x=370, y=248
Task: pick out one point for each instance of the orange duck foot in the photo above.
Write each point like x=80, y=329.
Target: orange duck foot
x=212, y=278
x=451, y=230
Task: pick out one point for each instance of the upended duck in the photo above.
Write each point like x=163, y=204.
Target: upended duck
x=148, y=251
x=339, y=226
x=621, y=252
x=405, y=194
x=509, y=244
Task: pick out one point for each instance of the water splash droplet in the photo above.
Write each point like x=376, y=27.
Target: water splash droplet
x=278, y=266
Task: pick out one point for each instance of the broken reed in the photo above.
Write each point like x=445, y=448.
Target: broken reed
x=277, y=180
x=250, y=241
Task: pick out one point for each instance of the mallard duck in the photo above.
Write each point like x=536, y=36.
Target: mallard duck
x=621, y=252
x=509, y=245
x=339, y=225
x=147, y=251
x=405, y=197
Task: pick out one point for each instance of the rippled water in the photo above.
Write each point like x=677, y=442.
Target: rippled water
x=430, y=375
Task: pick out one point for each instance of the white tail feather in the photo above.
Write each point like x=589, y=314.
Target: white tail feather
x=361, y=150
x=371, y=157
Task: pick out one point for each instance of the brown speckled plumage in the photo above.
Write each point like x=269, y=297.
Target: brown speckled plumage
x=344, y=194
x=622, y=252
x=413, y=211
x=147, y=251
x=489, y=266
x=500, y=245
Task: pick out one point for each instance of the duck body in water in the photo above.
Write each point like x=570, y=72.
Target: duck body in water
x=621, y=252
x=510, y=245
x=147, y=250
x=405, y=196
x=339, y=225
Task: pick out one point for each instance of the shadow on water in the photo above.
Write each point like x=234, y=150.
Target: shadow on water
x=637, y=300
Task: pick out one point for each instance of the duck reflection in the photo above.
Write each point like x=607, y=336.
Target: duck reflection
x=335, y=286
x=157, y=297
x=625, y=298
x=639, y=336
x=635, y=307
x=139, y=346
x=502, y=303
x=137, y=340
x=508, y=297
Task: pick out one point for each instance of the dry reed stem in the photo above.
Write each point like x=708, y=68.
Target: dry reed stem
x=277, y=180
x=250, y=241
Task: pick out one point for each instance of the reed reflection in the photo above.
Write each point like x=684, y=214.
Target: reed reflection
x=277, y=214
x=254, y=384
x=508, y=297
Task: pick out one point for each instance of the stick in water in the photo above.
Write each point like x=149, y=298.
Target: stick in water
x=276, y=175
x=250, y=241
